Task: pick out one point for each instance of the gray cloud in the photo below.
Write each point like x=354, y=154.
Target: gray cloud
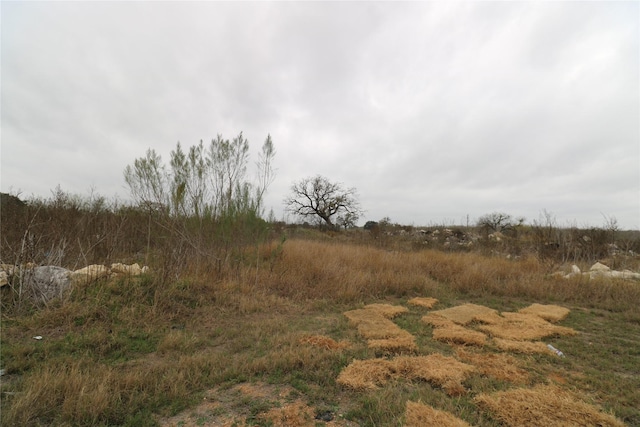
x=434, y=111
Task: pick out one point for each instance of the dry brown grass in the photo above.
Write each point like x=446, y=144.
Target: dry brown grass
x=457, y=334
x=524, y=327
x=421, y=415
x=544, y=406
x=387, y=310
x=437, y=321
x=404, y=342
x=446, y=330
x=382, y=334
x=442, y=371
x=425, y=302
x=366, y=374
x=64, y=385
x=372, y=325
x=500, y=366
x=324, y=342
x=551, y=313
x=465, y=313
x=349, y=273
x=345, y=273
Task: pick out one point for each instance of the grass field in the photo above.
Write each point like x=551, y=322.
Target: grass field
x=239, y=350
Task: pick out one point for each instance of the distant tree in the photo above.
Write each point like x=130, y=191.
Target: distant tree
x=498, y=222
x=317, y=197
x=370, y=225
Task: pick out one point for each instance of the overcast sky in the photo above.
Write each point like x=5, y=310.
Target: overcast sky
x=434, y=111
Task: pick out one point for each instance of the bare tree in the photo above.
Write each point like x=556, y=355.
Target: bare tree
x=499, y=222
x=323, y=200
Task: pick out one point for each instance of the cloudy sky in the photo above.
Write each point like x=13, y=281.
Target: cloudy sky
x=435, y=111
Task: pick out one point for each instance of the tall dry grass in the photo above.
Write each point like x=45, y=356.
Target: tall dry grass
x=120, y=353
x=347, y=273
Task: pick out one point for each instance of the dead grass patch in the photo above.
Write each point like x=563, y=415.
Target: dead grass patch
x=371, y=324
x=544, y=405
x=524, y=347
x=425, y=302
x=524, y=327
x=324, y=342
x=442, y=371
x=437, y=321
x=465, y=313
x=404, y=342
x=387, y=310
x=446, y=330
x=420, y=415
x=366, y=374
x=374, y=325
x=499, y=366
x=456, y=334
x=551, y=313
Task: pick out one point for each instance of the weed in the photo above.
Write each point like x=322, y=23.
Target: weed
x=128, y=351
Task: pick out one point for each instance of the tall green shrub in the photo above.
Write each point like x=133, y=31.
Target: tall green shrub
x=203, y=200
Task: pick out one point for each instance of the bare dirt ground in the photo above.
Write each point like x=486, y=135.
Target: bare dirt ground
x=233, y=406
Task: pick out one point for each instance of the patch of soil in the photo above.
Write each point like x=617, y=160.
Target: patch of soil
x=227, y=407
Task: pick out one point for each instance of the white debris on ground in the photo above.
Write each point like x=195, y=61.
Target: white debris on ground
x=599, y=270
x=43, y=283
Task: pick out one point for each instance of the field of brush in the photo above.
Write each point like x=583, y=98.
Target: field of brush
x=268, y=343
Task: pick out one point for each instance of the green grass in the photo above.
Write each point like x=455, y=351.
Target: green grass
x=120, y=352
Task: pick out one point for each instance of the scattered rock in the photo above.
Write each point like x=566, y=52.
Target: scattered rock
x=599, y=270
x=131, y=270
x=90, y=273
x=4, y=278
x=46, y=282
x=43, y=283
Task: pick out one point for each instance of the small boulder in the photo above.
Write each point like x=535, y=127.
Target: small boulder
x=130, y=270
x=90, y=273
x=46, y=282
x=599, y=267
x=4, y=278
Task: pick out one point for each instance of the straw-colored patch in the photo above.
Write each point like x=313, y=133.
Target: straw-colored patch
x=420, y=415
x=324, y=342
x=426, y=302
x=551, y=313
x=544, y=405
x=404, y=342
x=523, y=327
x=437, y=321
x=372, y=325
x=464, y=314
x=525, y=347
x=442, y=371
x=366, y=374
x=447, y=331
x=459, y=335
x=500, y=366
x=387, y=310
